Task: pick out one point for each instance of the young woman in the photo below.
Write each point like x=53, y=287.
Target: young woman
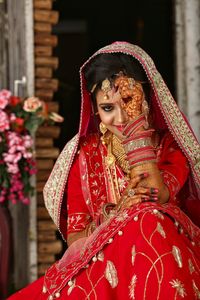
x=119, y=188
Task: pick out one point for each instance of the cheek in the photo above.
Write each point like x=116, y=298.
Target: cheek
x=106, y=118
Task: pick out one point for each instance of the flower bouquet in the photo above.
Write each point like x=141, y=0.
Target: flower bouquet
x=19, y=120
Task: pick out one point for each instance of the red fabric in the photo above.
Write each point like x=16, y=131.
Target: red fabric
x=159, y=242
x=174, y=167
x=160, y=263
x=78, y=213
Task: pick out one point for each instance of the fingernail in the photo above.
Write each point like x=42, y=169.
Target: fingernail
x=144, y=175
x=149, y=200
x=154, y=198
x=153, y=190
x=145, y=197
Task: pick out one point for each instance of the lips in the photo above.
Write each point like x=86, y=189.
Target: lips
x=120, y=127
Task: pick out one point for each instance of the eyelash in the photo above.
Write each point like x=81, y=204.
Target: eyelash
x=107, y=108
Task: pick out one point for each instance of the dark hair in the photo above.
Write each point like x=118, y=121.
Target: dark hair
x=105, y=65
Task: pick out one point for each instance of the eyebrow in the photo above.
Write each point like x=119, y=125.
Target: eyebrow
x=103, y=104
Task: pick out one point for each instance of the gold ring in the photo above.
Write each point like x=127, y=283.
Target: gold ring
x=131, y=192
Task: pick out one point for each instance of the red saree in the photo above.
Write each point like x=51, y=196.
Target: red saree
x=150, y=251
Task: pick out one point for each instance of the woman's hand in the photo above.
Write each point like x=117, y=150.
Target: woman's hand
x=135, y=194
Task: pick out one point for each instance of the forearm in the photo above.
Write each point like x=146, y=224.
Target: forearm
x=74, y=236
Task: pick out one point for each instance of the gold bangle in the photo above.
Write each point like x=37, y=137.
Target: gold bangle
x=104, y=209
x=90, y=228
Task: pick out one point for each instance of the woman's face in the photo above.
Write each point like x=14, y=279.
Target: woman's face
x=119, y=106
x=110, y=109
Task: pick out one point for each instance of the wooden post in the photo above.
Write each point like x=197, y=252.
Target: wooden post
x=187, y=40
x=46, y=153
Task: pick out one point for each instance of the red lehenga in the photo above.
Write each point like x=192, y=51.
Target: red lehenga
x=150, y=251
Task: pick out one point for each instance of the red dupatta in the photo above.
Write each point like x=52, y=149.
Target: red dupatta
x=167, y=115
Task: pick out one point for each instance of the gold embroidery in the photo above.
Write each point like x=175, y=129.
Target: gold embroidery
x=71, y=287
x=122, y=183
x=133, y=254
x=177, y=256
x=132, y=287
x=158, y=214
x=179, y=286
x=111, y=274
x=55, y=185
x=196, y=290
x=122, y=216
x=161, y=230
x=100, y=256
x=191, y=266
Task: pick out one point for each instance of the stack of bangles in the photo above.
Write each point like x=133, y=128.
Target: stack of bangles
x=139, y=148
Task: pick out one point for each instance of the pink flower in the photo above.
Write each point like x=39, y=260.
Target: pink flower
x=3, y=102
x=12, y=157
x=4, y=97
x=12, y=149
x=5, y=93
x=12, y=168
x=2, y=198
x=12, y=117
x=27, y=155
x=28, y=141
x=25, y=200
x=32, y=104
x=14, y=139
x=4, y=121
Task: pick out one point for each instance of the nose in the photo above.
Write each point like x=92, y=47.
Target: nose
x=121, y=117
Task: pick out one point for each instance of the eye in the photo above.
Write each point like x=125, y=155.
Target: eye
x=107, y=108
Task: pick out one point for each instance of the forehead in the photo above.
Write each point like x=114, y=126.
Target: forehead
x=113, y=97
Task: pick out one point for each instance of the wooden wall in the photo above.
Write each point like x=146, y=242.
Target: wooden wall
x=46, y=153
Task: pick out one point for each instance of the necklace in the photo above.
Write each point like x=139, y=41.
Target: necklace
x=115, y=152
x=119, y=153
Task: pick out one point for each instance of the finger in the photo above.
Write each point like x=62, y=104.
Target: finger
x=132, y=202
x=139, y=198
x=114, y=130
x=136, y=179
x=146, y=191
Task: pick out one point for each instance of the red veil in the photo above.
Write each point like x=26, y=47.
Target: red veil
x=167, y=115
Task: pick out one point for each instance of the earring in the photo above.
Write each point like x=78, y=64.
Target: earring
x=103, y=130
x=145, y=110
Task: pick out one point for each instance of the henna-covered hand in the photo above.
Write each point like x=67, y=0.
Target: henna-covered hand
x=135, y=194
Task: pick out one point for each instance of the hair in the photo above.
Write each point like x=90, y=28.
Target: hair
x=106, y=65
